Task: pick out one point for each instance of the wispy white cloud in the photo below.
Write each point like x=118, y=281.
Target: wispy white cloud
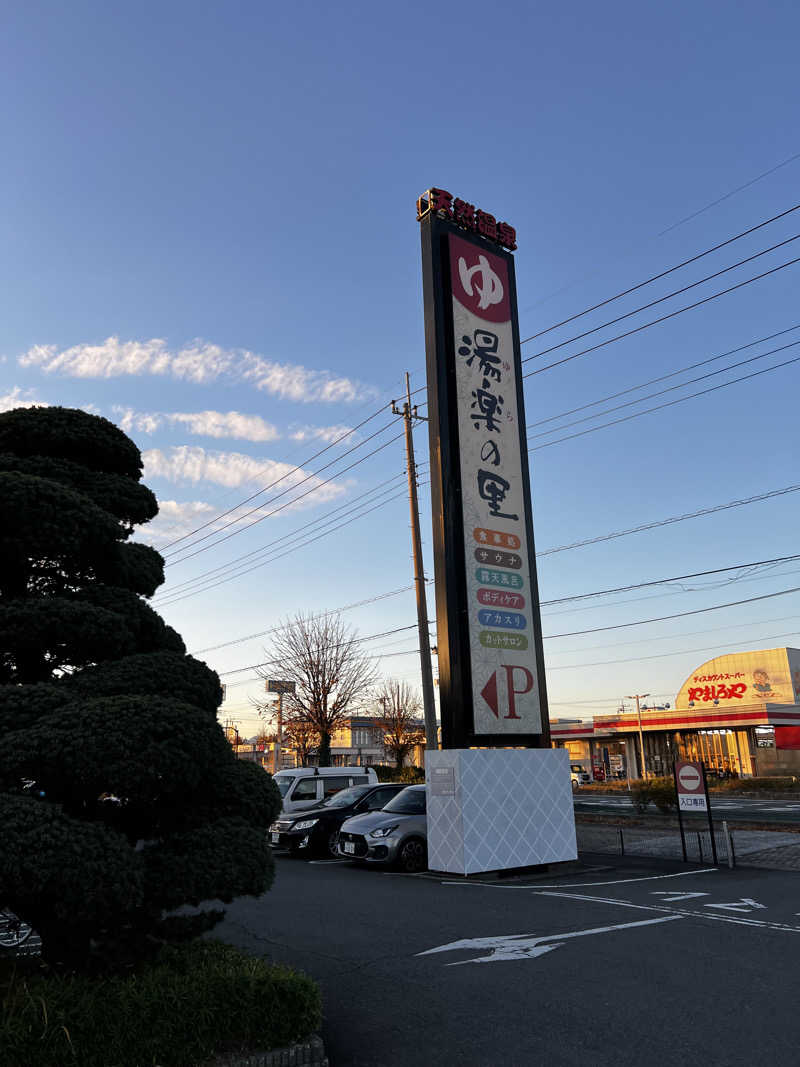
x=190, y=465
x=200, y=362
x=201, y=423
x=175, y=518
x=322, y=433
x=17, y=398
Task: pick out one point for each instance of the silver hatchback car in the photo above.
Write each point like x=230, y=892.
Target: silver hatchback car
x=398, y=834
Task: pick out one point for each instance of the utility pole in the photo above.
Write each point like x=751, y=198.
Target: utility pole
x=410, y=415
x=276, y=748
x=637, y=697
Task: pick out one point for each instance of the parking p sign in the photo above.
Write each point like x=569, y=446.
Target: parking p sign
x=691, y=786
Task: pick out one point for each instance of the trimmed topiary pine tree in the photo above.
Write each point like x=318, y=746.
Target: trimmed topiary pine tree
x=120, y=800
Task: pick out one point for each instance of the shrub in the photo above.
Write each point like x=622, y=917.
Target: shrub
x=411, y=775
x=139, y=803
x=193, y=1002
x=661, y=791
x=788, y=783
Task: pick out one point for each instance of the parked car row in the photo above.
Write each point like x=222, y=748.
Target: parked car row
x=371, y=822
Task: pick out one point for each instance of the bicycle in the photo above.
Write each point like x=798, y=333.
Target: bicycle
x=13, y=930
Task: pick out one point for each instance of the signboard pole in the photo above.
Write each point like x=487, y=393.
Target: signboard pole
x=691, y=791
x=498, y=795
x=680, y=816
x=710, y=820
x=274, y=685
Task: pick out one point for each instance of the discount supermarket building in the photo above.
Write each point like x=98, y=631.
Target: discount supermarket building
x=738, y=713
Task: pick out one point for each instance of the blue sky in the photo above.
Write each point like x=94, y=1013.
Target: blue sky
x=209, y=236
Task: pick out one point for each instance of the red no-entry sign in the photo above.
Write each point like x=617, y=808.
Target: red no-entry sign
x=691, y=787
x=692, y=790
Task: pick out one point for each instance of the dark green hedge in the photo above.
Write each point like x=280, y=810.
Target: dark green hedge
x=411, y=775
x=70, y=434
x=661, y=791
x=194, y=1002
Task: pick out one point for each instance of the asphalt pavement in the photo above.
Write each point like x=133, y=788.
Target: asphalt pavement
x=626, y=963
x=734, y=809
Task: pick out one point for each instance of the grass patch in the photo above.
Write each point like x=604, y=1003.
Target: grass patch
x=196, y=1001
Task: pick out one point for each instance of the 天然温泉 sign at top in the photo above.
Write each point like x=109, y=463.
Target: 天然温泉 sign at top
x=491, y=671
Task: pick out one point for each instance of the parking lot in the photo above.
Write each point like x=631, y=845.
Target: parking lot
x=632, y=962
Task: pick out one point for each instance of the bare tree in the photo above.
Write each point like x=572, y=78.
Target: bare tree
x=323, y=658
x=401, y=729
x=299, y=734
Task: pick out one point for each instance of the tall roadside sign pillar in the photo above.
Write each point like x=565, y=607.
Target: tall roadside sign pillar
x=274, y=685
x=498, y=795
x=491, y=668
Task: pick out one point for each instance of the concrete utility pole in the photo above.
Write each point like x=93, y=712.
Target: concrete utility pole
x=409, y=416
x=637, y=697
x=276, y=748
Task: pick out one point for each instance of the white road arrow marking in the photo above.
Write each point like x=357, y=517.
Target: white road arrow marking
x=672, y=897
x=524, y=947
x=745, y=904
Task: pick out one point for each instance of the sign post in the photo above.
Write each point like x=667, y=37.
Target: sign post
x=691, y=788
x=499, y=796
x=279, y=687
x=489, y=639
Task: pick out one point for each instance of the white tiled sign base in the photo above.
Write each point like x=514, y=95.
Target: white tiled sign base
x=511, y=808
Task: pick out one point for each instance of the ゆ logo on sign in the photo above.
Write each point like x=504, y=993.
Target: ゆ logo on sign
x=491, y=288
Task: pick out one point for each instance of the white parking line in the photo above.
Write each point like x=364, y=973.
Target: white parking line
x=590, y=885
x=757, y=923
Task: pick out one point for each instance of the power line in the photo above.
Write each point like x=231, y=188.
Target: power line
x=339, y=644
x=669, y=521
x=265, y=488
x=378, y=655
x=727, y=196
x=757, y=575
x=661, y=274
x=263, y=504
x=679, y=615
x=663, y=377
x=771, y=494
x=321, y=615
x=669, y=404
x=660, y=300
x=600, y=663
x=670, y=389
x=662, y=318
x=681, y=635
x=321, y=521
x=294, y=500
x=665, y=655
x=550, y=637
x=665, y=581
x=288, y=551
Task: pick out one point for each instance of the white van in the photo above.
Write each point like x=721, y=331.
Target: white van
x=305, y=787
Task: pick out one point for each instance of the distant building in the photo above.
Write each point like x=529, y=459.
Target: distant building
x=358, y=742
x=738, y=713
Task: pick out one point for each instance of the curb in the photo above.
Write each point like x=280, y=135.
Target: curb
x=311, y=1053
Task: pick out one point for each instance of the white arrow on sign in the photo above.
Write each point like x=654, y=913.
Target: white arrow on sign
x=524, y=947
x=672, y=897
x=745, y=904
